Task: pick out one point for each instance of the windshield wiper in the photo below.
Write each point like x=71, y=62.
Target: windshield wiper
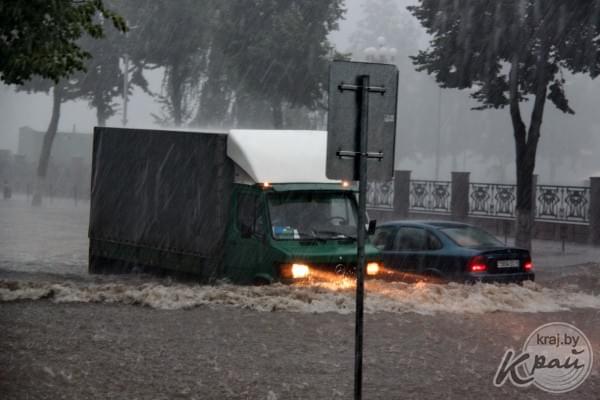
x=335, y=235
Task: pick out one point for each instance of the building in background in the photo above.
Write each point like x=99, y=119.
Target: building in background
x=66, y=146
x=6, y=164
x=69, y=168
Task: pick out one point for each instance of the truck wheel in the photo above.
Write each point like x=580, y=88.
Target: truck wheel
x=261, y=281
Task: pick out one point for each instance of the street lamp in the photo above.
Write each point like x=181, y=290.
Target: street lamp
x=381, y=53
x=126, y=82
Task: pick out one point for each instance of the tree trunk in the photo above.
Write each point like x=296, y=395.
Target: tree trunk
x=176, y=89
x=47, y=145
x=215, y=98
x=101, y=118
x=101, y=114
x=277, y=114
x=525, y=212
x=526, y=143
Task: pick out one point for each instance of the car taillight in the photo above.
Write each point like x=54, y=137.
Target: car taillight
x=528, y=265
x=477, y=264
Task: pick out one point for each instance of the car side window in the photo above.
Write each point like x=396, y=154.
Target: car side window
x=433, y=243
x=383, y=238
x=411, y=239
x=416, y=239
x=250, y=215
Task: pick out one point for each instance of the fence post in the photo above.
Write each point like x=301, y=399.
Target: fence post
x=595, y=210
x=534, y=205
x=459, y=200
x=401, y=193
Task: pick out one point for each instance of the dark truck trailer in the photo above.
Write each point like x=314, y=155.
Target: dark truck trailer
x=159, y=198
x=251, y=206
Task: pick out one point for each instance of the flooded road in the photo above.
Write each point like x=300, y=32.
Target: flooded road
x=66, y=334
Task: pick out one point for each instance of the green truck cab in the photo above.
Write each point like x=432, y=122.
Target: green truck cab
x=285, y=232
x=249, y=206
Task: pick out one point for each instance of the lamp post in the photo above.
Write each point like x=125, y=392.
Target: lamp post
x=126, y=82
x=125, y=88
x=381, y=53
x=438, y=142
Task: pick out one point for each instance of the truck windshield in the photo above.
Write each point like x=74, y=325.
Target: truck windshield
x=306, y=215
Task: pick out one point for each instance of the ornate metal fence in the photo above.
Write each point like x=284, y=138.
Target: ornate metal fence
x=494, y=200
x=380, y=195
x=430, y=196
x=563, y=203
x=553, y=203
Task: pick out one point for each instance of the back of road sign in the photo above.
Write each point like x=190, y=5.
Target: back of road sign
x=344, y=114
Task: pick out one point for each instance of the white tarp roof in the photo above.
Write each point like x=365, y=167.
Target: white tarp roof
x=280, y=156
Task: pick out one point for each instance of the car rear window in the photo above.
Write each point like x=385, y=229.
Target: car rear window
x=467, y=236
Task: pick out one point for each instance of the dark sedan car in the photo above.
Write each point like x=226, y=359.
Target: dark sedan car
x=449, y=251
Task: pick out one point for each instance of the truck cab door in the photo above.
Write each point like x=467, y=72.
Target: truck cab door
x=246, y=240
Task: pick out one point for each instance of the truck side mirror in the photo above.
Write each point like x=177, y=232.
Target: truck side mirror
x=372, y=226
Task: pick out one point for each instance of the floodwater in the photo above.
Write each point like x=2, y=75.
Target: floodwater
x=66, y=334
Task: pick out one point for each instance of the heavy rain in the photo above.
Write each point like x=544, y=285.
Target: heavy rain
x=182, y=187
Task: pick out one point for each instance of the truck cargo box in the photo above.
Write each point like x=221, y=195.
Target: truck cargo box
x=160, y=198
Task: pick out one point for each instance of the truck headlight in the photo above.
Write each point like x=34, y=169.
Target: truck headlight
x=300, y=271
x=372, y=268
x=294, y=271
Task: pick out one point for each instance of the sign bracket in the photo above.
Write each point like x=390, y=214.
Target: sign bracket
x=353, y=154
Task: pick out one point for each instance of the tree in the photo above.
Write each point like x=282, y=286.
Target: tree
x=39, y=37
x=508, y=52
x=277, y=51
x=39, y=49
x=174, y=36
x=103, y=80
x=217, y=90
x=62, y=91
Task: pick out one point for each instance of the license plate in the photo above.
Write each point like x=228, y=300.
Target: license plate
x=508, y=263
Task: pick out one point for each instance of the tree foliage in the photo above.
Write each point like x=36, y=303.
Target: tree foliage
x=474, y=42
x=277, y=51
x=173, y=36
x=39, y=37
x=507, y=52
x=103, y=79
x=280, y=47
x=225, y=61
x=388, y=19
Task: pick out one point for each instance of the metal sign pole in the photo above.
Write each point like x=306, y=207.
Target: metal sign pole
x=362, y=211
x=356, y=121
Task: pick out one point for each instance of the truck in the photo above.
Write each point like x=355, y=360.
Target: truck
x=249, y=206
